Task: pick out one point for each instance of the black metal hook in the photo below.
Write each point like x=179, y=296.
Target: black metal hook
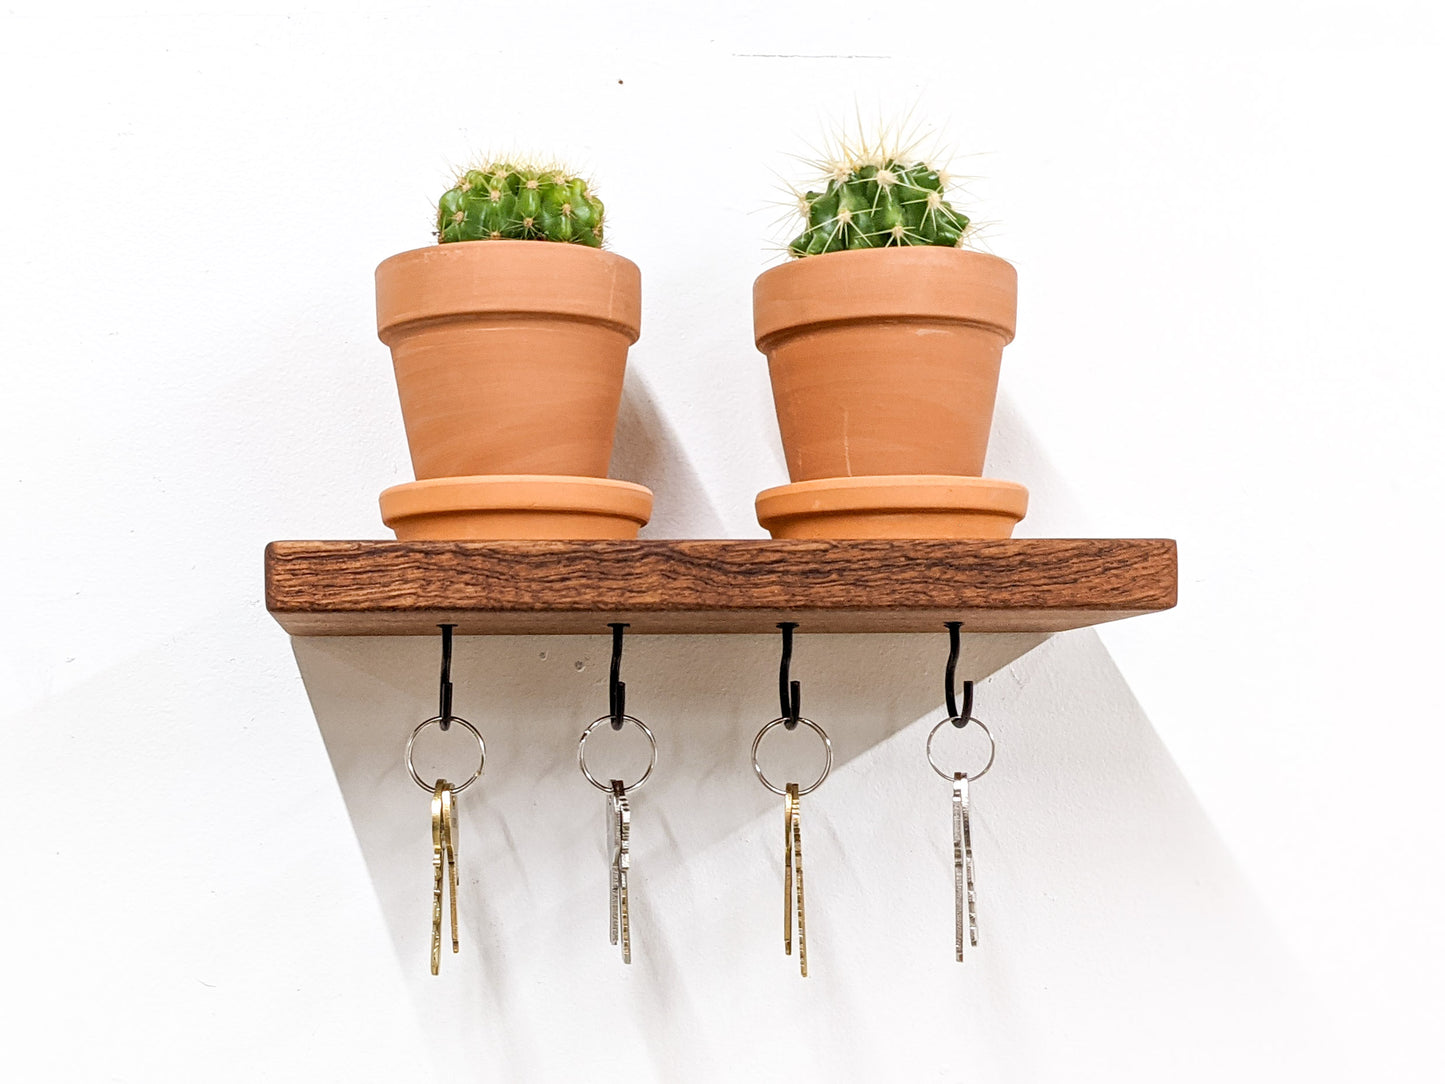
x=790, y=693
x=444, y=707
x=959, y=719
x=616, y=690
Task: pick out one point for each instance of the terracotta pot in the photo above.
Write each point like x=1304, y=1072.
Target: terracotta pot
x=509, y=355
x=894, y=506
x=515, y=507
x=885, y=361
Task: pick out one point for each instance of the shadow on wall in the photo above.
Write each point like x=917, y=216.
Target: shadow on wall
x=1105, y=894
x=646, y=450
x=704, y=696
x=1016, y=455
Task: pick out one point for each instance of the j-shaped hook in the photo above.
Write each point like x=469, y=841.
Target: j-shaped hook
x=616, y=689
x=444, y=696
x=958, y=718
x=789, y=692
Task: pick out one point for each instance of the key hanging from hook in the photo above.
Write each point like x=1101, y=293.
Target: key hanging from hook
x=617, y=689
x=958, y=718
x=444, y=694
x=790, y=693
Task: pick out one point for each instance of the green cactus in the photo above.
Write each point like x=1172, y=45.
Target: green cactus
x=878, y=204
x=522, y=203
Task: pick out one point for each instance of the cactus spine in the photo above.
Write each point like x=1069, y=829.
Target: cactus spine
x=521, y=203
x=878, y=202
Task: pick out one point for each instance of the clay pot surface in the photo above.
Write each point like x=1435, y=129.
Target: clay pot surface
x=893, y=506
x=885, y=361
x=496, y=507
x=509, y=355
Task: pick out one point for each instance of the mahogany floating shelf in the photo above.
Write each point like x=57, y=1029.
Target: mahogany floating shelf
x=714, y=586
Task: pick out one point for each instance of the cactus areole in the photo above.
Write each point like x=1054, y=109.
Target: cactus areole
x=879, y=206
x=519, y=203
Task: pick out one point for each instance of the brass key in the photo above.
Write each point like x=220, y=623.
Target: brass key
x=794, y=913
x=449, y=846
x=793, y=876
x=438, y=865
x=444, y=830
x=789, y=801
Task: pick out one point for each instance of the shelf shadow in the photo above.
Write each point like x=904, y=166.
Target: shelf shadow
x=1105, y=893
x=532, y=813
x=647, y=451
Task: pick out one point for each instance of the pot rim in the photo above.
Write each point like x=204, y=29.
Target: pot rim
x=910, y=282
x=516, y=493
x=893, y=493
x=545, y=278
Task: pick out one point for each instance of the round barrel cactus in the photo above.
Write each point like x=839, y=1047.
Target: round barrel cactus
x=878, y=204
x=519, y=203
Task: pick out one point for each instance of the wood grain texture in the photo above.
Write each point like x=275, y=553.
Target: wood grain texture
x=375, y=588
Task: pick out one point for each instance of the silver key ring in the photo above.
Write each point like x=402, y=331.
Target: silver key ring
x=481, y=753
x=582, y=752
x=970, y=721
x=827, y=755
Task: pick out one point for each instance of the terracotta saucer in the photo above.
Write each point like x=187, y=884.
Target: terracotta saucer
x=894, y=506
x=515, y=506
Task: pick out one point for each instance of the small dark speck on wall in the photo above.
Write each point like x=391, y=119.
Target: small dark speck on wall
x=619, y=82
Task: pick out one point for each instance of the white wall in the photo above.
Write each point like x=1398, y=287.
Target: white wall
x=1209, y=843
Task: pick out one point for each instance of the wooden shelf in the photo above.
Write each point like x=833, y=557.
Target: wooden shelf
x=712, y=586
